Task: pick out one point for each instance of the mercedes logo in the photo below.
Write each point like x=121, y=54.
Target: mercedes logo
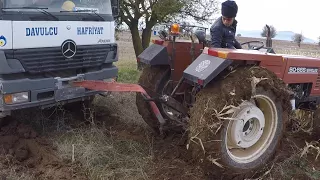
x=68, y=27
x=68, y=48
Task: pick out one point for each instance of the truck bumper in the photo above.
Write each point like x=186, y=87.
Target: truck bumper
x=47, y=92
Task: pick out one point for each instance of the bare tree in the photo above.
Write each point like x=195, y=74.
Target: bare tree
x=273, y=31
x=298, y=38
x=161, y=11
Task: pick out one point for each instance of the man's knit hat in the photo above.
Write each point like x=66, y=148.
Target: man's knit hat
x=229, y=9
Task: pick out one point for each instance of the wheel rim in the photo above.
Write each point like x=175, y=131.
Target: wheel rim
x=170, y=113
x=250, y=136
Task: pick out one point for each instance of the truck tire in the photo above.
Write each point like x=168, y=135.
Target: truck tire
x=153, y=79
x=255, y=132
x=78, y=107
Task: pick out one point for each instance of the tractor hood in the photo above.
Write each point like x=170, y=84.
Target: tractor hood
x=41, y=34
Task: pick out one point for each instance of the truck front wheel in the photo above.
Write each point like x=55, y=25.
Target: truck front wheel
x=81, y=107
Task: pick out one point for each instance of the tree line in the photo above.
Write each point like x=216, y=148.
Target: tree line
x=297, y=38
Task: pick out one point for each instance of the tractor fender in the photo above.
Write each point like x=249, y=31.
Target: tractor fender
x=204, y=68
x=154, y=55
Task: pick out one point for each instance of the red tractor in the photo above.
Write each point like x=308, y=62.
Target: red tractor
x=233, y=103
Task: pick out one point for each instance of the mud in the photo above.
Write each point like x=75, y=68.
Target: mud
x=170, y=158
x=173, y=162
x=22, y=149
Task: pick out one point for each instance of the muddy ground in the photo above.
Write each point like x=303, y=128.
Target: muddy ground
x=46, y=145
x=33, y=144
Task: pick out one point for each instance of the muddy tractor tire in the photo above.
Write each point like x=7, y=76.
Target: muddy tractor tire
x=316, y=123
x=154, y=80
x=236, y=125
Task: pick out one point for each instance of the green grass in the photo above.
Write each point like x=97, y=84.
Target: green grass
x=128, y=72
x=127, y=75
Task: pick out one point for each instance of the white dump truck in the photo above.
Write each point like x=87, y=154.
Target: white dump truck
x=46, y=44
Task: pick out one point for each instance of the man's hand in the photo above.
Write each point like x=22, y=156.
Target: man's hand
x=237, y=45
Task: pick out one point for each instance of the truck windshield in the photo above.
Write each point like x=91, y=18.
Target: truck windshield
x=76, y=6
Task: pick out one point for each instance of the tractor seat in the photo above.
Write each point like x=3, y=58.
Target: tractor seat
x=201, y=35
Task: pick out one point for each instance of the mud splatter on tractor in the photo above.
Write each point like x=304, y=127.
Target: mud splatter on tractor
x=233, y=103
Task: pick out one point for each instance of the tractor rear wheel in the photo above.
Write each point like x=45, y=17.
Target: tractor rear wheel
x=155, y=80
x=316, y=123
x=236, y=125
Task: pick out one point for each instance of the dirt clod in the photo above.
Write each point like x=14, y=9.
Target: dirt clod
x=21, y=148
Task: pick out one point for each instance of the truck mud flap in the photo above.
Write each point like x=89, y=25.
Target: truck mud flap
x=154, y=55
x=205, y=68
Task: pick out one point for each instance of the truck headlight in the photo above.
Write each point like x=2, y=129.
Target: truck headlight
x=16, y=98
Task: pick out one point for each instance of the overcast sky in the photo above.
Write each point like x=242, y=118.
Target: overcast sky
x=301, y=16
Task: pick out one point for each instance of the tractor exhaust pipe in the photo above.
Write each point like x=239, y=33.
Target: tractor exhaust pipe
x=269, y=40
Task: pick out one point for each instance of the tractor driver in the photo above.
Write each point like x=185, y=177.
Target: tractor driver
x=224, y=28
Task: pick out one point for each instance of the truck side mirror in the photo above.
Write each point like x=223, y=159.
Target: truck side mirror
x=115, y=5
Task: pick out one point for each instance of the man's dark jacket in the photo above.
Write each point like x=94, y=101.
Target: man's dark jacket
x=223, y=36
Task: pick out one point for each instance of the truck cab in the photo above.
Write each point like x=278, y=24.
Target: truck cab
x=47, y=44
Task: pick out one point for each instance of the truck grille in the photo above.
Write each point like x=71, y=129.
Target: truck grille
x=38, y=60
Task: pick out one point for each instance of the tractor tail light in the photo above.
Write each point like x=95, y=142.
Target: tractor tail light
x=220, y=54
x=200, y=82
x=156, y=41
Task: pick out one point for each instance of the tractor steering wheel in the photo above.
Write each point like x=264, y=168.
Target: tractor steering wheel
x=254, y=47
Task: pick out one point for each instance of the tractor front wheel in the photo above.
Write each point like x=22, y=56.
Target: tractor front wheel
x=155, y=80
x=236, y=124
